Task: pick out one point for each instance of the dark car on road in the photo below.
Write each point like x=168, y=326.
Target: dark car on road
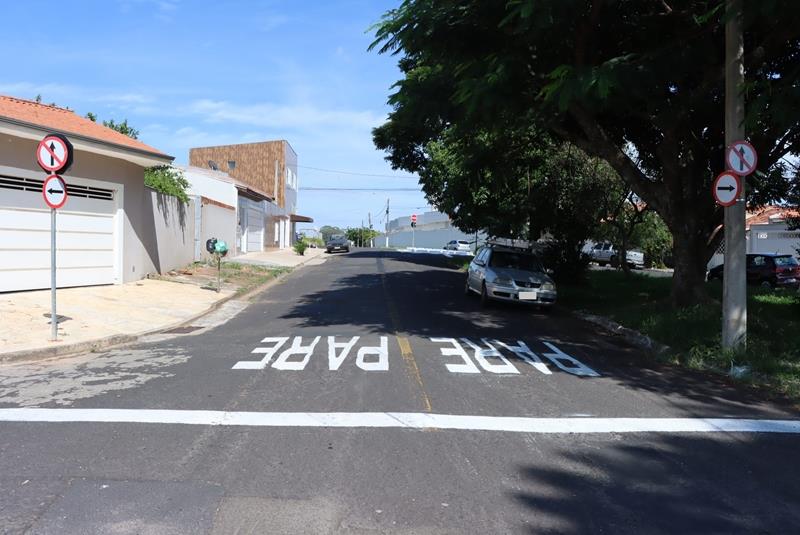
x=767, y=270
x=337, y=243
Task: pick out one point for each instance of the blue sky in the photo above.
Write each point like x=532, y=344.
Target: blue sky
x=195, y=73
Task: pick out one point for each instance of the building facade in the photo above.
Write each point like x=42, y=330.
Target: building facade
x=106, y=230
x=266, y=179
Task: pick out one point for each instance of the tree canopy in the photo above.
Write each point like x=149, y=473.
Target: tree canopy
x=638, y=83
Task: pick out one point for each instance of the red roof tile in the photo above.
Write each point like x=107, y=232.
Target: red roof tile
x=65, y=121
x=764, y=215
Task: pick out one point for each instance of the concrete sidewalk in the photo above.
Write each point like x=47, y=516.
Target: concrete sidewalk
x=282, y=258
x=99, y=315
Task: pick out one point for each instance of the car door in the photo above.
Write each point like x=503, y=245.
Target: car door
x=474, y=278
x=755, y=268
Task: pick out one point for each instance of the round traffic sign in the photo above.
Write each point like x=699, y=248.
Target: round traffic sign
x=741, y=158
x=54, y=153
x=727, y=188
x=54, y=191
x=414, y=218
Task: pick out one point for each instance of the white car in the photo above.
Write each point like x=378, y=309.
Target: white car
x=457, y=245
x=606, y=253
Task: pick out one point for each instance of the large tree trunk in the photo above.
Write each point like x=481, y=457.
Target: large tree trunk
x=690, y=253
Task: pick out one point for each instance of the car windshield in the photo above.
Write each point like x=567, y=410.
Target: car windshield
x=522, y=261
x=784, y=261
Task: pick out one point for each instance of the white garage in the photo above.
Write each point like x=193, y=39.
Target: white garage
x=251, y=222
x=88, y=248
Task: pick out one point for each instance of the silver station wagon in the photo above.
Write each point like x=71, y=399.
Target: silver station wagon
x=507, y=274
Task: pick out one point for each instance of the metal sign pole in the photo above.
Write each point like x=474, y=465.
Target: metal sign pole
x=53, y=315
x=734, y=292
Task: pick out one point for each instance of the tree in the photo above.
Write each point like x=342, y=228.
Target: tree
x=638, y=83
x=167, y=179
x=122, y=128
x=327, y=231
x=361, y=236
x=520, y=183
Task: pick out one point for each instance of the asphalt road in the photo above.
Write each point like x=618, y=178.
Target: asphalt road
x=229, y=430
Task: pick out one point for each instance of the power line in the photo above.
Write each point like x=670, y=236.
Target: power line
x=309, y=188
x=353, y=173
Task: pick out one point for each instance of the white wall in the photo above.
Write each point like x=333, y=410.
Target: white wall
x=434, y=239
x=204, y=183
x=773, y=238
x=173, y=223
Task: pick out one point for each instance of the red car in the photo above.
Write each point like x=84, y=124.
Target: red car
x=768, y=270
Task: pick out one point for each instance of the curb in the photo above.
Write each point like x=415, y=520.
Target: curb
x=632, y=336
x=88, y=346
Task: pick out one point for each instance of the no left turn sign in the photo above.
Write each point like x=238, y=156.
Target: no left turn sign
x=741, y=158
x=726, y=189
x=54, y=191
x=54, y=153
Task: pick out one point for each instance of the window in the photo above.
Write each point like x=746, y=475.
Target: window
x=231, y=165
x=509, y=260
x=785, y=261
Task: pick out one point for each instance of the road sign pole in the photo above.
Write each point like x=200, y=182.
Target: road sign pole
x=53, y=315
x=734, y=292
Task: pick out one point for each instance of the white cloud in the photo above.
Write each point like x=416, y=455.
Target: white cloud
x=284, y=117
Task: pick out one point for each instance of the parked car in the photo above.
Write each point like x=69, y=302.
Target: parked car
x=337, y=243
x=457, y=245
x=508, y=274
x=768, y=270
x=605, y=253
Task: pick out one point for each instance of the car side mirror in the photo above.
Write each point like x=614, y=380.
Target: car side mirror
x=480, y=263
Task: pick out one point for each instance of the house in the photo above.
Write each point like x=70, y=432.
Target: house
x=265, y=175
x=106, y=231
x=766, y=231
x=215, y=196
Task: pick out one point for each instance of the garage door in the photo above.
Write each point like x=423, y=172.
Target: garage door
x=255, y=226
x=85, y=242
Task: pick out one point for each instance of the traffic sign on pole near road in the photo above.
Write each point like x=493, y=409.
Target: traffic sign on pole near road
x=54, y=153
x=54, y=191
x=413, y=218
x=726, y=189
x=741, y=158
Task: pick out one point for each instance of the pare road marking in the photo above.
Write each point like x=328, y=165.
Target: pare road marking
x=468, y=356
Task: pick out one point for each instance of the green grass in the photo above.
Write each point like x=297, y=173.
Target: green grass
x=642, y=303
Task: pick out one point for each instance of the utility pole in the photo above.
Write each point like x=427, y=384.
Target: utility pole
x=387, y=223
x=369, y=218
x=734, y=291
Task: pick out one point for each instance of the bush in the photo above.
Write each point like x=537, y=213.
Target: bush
x=300, y=247
x=168, y=180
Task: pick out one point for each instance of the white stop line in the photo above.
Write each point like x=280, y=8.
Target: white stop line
x=403, y=420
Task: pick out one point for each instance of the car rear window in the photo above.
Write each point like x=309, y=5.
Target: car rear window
x=462, y=242
x=784, y=261
x=525, y=262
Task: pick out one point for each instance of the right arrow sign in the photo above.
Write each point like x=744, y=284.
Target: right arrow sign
x=726, y=189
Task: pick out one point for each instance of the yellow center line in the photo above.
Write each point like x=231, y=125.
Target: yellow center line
x=405, y=347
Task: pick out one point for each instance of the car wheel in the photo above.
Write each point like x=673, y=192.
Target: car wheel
x=601, y=264
x=467, y=290
x=347, y=250
x=767, y=285
x=484, y=296
x=613, y=260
